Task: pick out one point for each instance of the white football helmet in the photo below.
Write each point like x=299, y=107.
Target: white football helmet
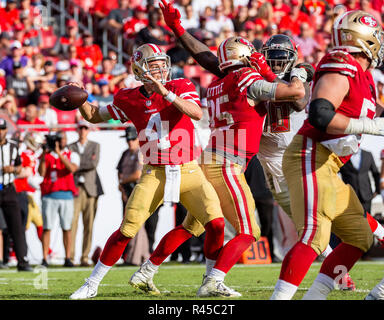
x=359, y=31
x=234, y=51
x=145, y=54
x=33, y=140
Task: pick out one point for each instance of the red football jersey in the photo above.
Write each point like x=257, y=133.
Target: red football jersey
x=28, y=159
x=166, y=135
x=236, y=125
x=361, y=99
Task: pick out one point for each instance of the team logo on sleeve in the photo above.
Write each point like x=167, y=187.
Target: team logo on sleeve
x=368, y=21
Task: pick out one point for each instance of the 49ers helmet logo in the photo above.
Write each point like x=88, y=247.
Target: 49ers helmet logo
x=368, y=21
x=245, y=42
x=137, y=56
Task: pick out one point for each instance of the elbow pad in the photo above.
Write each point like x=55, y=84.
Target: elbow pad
x=262, y=90
x=320, y=114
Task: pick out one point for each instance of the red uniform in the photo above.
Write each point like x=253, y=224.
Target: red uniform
x=166, y=135
x=361, y=99
x=237, y=125
x=28, y=160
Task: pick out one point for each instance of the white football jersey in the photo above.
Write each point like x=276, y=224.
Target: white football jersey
x=281, y=125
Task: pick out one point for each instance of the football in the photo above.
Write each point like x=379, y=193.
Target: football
x=68, y=98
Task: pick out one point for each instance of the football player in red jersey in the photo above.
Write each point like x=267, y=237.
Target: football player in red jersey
x=342, y=108
x=28, y=181
x=237, y=123
x=161, y=110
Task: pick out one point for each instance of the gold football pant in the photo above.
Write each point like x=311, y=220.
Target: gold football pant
x=321, y=202
x=236, y=200
x=196, y=194
x=34, y=213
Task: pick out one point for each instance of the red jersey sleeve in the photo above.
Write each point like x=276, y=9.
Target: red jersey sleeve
x=186, y=90
x=338, y=61
x=116, y=109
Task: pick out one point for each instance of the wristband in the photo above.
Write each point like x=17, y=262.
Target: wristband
x=170, y=97
x=178, y=30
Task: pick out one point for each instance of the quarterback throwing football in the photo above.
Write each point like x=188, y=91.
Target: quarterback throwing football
x=161, y=110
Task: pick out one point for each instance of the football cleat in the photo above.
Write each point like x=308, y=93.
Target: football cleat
x=86, y=291
x=215, y=288
x=347, y=283
x=370, y=296
x=142, y=279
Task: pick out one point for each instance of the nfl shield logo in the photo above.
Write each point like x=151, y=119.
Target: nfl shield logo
x=148, y=103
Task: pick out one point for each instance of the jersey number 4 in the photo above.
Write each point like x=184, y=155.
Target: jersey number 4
x=158, y=130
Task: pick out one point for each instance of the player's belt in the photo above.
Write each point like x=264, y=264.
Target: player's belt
x=228, y=156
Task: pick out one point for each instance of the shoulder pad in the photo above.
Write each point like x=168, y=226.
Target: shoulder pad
x=338, y=61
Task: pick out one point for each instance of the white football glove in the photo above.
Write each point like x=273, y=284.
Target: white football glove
x=366, y=125
x=299, y=73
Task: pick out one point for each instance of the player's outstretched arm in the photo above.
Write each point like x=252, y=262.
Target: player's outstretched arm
x=199, y=51
x=327, y=96
x=91, y=113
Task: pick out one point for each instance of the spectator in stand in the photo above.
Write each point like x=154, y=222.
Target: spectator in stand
x=89, y=52
x=105, y=97
x=191, y=20
x=280, y=9
x=72, y=53
x=352, y=5
x=134, y=24
x=89, y=74
x=30, y=33
x=264, y=16
x=32, y=11
x=117, y=68
x=75, y=71
x=316, y=9
x=102, y=8
x=117, y=17
x=240, y=19
x=72, y=37
x=228, y=8
x=45, y=113
x=306, y=42
x=8, y=107
x=16, y=56
x=89, y=189
x=57, y=165
x=295, y=18
x=19, y=85
x=42, y=87
x=105, y=71
x=153, y=33
x=31, y=117
x=218, y=21
x=5, y=43
x=10, y=15
x=200, y=5
x=50, y=72
x=253, y=8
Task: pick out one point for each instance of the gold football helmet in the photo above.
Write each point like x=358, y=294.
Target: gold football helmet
x=234, y=51
x=145, y=54
x=359, y=31
x=33, y=140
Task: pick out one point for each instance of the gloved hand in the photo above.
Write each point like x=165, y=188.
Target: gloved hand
x=259, y=63
x=172, y=18
x=309, y=68
x=299, y=73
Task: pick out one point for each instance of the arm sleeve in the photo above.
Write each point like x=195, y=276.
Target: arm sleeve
x=262, y=90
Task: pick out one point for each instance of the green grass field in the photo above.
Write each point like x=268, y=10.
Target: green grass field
x=177, y=281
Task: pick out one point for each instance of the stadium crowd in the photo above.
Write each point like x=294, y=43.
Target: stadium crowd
x=35, y=59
